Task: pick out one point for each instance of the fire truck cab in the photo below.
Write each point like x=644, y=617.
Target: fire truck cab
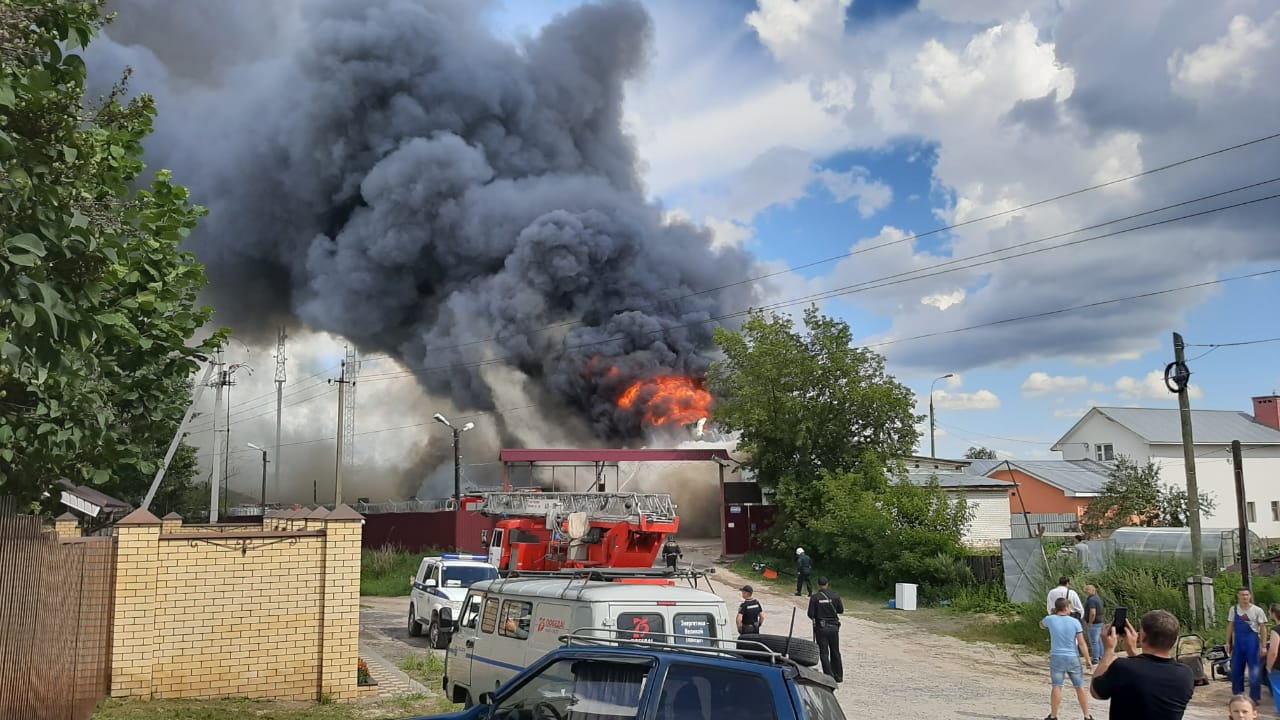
x=564, y=530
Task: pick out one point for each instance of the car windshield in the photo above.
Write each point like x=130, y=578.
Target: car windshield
x=819, y=702
x=465, y=575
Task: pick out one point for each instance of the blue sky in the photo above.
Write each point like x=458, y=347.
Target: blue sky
x=803, y=128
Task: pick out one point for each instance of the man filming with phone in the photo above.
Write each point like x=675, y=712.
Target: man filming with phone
x=1150, y=685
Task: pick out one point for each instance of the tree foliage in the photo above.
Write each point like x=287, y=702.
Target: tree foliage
x=97, y=302
x=1134, y=496
x=977, y=452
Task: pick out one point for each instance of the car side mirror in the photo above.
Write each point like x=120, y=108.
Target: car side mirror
x=486, y=698
x=446, y=619
x=430, y=583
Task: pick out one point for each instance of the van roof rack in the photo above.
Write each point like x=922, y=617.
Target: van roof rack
x=715, y=646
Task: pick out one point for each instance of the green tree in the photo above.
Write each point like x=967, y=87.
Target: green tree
x=98, y=304
x=1134, y=496
x=977, y=452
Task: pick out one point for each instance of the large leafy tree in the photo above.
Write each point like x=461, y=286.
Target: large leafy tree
x=98, y=304
x=1134, y=496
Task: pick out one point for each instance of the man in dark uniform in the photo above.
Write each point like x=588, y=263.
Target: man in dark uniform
x=750, y=613
x=824, y=610
x=803, y=566
x=671, y=553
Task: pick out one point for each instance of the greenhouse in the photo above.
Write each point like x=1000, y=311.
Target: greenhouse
x=1221, y=546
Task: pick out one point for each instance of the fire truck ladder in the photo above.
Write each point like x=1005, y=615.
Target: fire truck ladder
x=599, y=507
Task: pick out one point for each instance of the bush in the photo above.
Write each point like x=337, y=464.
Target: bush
x=984, y=598
x=386, y=571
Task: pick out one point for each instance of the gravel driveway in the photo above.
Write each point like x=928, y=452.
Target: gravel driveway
x=889, y=669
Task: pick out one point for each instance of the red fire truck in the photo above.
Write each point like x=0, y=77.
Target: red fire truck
x=542, y=531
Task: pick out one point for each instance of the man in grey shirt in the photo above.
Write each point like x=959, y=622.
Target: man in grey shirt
x=1093, y=621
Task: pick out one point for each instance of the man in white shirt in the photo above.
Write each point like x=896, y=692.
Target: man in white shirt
x=1063, y=590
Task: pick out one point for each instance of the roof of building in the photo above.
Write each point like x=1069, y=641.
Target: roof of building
x=575, y=455
x=963, y=480
x=1163, y=426
x=1075, y=478
x=91, y=502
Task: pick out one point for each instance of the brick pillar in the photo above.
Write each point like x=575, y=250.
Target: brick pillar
x=340, y=624
x=315, y=520
x=170, y=523
x=66, y=526
x=133, y=627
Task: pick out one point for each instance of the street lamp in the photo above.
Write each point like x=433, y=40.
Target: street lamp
x=457, y=458
x=932, y=450
x=263, y=500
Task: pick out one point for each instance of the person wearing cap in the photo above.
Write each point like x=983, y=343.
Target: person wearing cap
x=803, y=566
x=825, y=609
x=750, y=613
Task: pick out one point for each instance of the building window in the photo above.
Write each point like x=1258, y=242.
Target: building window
x=1104, y=452
x=1251, y=511
x=1275, y=510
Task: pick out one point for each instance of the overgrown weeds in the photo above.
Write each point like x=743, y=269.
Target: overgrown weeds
x=387, y=571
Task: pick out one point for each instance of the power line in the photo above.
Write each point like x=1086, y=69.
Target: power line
x=1235, y=344
x=907, y=238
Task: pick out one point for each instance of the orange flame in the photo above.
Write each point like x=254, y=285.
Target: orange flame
x=669, y=399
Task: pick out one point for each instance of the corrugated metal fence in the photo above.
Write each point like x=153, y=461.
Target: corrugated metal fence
x=55, y=620
x=1042, y=523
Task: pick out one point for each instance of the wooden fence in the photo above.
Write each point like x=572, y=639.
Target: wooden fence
x=55, y=620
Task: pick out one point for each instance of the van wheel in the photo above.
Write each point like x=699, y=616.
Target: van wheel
x=415, y=627
x=802, y=651
x=438, y=640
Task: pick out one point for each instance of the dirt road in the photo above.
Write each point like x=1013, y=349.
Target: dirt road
x=890, y=669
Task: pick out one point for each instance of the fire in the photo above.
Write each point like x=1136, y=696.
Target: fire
x=668, y=399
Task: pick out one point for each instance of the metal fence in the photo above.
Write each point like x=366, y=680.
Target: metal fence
x=55, y=620
x=1042, y=523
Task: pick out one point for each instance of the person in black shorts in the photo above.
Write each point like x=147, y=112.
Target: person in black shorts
x=824, y=610
x=750, y=613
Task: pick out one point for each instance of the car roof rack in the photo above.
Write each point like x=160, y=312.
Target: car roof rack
x=714, y=646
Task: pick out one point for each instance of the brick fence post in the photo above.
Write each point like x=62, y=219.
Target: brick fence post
x=133, y=627
x=66, y=526
x=340, y=634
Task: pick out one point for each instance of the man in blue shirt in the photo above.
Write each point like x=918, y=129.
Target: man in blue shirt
x=1067, y=646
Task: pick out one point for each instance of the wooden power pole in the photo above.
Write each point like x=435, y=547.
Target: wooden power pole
x=1178, y=379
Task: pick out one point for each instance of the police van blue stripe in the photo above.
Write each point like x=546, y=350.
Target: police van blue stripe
x=496, y=663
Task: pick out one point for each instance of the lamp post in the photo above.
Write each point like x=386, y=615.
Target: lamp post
x=262, y=501
x=457, y=458
x=932, y=449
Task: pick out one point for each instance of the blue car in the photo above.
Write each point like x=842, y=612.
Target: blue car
x=597, y=676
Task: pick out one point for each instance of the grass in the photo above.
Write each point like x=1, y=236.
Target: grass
x=240, y=709
x=385, y=572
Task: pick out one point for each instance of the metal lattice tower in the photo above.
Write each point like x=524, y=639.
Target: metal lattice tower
x=350, y=370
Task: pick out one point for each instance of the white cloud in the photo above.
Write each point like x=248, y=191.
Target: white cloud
x=872, y=195
x=1151, y=387
x=1074, y=413
x=942, y=301
x=728, y=233
x=1039, y=384
x=802, y=33
x=1228, y=61
x=956, y=381
x=980, y=400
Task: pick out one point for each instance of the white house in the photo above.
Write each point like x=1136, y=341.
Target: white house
x=1155, y=434
x=988, y=498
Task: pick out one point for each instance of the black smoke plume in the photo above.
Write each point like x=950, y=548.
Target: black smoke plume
x=394, y=172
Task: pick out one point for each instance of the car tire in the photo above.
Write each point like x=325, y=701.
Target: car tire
x=802, y=651
x=435, y=638
x=415, y=627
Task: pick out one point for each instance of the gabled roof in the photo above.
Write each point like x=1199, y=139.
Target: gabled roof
x=1163, y=426
x=957, y=480
x=1075, y=478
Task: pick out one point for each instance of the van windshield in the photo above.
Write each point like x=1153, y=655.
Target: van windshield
x=465, y=575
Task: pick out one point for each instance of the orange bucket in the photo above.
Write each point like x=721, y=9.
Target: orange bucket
x=770, y=574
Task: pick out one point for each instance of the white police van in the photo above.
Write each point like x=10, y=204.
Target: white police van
x=441, y=582
x=509, y=623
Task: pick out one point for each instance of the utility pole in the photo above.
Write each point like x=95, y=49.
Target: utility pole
x=346, y=419
x=933, y=453
x=1177, y=378
x=1237, y=464
x=280, y=377
x=215, y=479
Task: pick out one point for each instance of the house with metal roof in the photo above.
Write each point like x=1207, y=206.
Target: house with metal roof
x=1050, y=496
x=1155, y=434
x=985, y=496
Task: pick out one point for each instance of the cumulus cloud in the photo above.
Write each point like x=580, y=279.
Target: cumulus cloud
x=1151, y=387
x=1231, y=61
x=872, y=195
x=980, y=400
x=942, y=301
x=1039, y=384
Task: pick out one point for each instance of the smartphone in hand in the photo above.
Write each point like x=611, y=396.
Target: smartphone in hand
x=1121, y=620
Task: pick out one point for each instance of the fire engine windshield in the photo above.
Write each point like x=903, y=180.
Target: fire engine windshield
x=465, y=575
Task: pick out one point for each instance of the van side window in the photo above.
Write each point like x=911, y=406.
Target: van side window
x=490, y=620
x=577, y=690
x=515, y=619
x=691, y=691
x=642, y=626
x=693, y=628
